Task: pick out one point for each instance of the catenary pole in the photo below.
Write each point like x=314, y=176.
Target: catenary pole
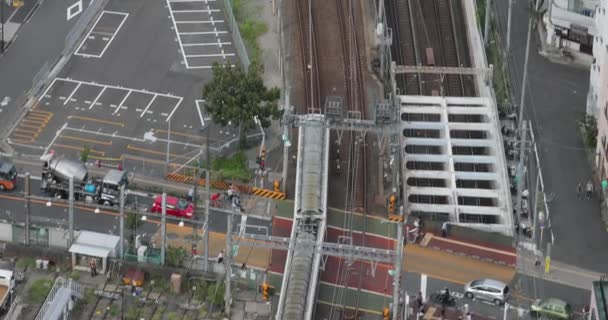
x=71, y=211
x=27, y=207
x=486, y=29
x=163, y=229
x=121, y=248
x=509, y=17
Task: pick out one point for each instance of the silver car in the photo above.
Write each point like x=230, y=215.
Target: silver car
x=487, y=289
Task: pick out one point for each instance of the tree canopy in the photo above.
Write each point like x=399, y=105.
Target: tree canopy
x=234, y=96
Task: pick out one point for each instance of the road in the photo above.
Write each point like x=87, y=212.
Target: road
x=554, y=108
x=85, y=218
x=40, y=40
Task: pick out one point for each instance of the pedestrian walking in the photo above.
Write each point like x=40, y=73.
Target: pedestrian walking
x=444, y=229
x=220, y=257
x=589, y=189
x=579, y=190
x=469, y=316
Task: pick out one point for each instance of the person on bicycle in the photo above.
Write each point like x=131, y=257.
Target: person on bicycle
x=445, y=296
x=589, y=189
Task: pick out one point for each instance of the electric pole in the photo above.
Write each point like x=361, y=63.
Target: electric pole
x=71, y=210
x=27, y=208
x=228, y=255
x=520, y=117
x=397, y=276
x=208, y=189
x=2, y=24
x=486, y=30
x=508, y=46
x=121, y=249
x=163, y=229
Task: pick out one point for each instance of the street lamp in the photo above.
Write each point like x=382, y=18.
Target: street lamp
x=181, y=223
x=144, y=218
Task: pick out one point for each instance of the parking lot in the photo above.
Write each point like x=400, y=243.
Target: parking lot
x=127, y=92
x=202, y=33
x=114, y=121
x=101, y=34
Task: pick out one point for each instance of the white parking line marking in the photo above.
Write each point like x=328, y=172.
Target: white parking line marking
x=97, y=98
x=174, y=109
x=71, y=94
x=207, y=44
x=148, y=106
x=123, y=101
x=195, y=11
x=223, y=55
x=200, y=21
x=203, y=32
x=172, y=1
x=109, y=40
x=49, y=88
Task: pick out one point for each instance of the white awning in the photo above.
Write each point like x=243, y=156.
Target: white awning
x=90, y=250
x=95, y=244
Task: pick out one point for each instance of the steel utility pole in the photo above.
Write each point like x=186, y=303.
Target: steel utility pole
x=71, y=211
x=397, y=276
x=2, y=24
x=522, y=101
x=520, y=169
x=163, y=229
x=28, y=192
x=121, y=248
x=510, y=12
x=228, y=258
x=208, y=189
x=486, y=29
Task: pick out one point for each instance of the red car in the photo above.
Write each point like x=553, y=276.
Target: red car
x=175, y=207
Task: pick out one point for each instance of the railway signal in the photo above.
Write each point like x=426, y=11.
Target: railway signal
x=395, y=218
x=386, y=313
x=392, y=200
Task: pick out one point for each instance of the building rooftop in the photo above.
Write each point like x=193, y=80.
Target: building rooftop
x=454, y=166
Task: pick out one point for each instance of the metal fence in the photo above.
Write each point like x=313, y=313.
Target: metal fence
x=56, y=301
x=239, y=45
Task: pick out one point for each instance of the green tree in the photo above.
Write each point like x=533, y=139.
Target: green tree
x=175, y=256
x=234, y=96
x=84, y=153
x=215, y=294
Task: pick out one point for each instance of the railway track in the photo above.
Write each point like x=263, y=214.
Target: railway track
x=449, y=50
x=309, y=57
x=405, y=45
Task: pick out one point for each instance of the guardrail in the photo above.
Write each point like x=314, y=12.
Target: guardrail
x=51, y=305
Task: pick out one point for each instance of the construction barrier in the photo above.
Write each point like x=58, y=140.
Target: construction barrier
x=222, y=185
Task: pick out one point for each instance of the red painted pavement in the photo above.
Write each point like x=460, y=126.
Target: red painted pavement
x=335, y=268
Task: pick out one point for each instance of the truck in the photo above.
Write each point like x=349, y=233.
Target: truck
x=8, y=176
x=7, y=283
x=57, y=172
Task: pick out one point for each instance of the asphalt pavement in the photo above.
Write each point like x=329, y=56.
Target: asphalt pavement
x=524, y=292
x=555, y=102
x=40, y=40
x=133, y=87
x=85, y=218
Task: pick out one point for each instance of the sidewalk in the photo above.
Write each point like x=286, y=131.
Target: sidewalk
x=254, y=257
x=484, y=252
x=559, y=272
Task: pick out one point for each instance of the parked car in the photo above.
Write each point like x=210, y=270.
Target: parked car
x=487, y=289
x=551, y=308
x=175, y=207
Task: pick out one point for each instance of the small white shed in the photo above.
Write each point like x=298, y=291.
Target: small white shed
x=95, y=245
